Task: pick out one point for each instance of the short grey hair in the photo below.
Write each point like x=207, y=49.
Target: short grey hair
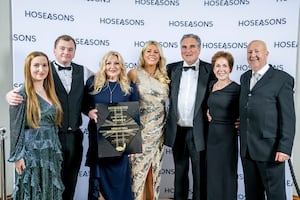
x=190, y=35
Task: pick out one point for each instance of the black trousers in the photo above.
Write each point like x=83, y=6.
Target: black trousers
x=264, y=179
x=72, y=149
x=184, y=151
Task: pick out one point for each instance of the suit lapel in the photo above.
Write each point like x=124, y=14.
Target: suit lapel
x=75, y=76
x=57, y=80
x=175, y=84
x=201, y=87
x=264, y=79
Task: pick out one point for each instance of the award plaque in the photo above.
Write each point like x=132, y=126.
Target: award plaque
x=118, y=129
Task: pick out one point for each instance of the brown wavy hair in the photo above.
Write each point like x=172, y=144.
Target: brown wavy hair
x=223, y=54
x=33, y=109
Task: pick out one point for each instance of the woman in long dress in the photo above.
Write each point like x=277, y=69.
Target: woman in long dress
x=222, y=152
x=109, y=176
x=153, y=87
x=35, y=147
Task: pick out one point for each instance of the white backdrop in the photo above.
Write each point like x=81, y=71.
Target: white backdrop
x=125, y=25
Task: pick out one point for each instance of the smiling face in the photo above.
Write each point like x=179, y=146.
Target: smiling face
x=64, y=52
x=112, y=68
x=257, y=55
x=190, y=50
x=39, y=68
x=151, y=55
x=221, y=69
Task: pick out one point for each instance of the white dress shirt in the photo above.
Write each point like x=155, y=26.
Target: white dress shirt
x=66, y=76
x=187, y=95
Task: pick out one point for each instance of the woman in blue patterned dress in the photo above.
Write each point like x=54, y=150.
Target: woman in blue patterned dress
x=35, y=147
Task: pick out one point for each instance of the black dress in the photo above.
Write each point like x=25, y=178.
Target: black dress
x=222, y=143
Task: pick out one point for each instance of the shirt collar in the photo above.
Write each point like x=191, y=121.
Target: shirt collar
x=196, y=64
x=56, y=64
x=263, y=70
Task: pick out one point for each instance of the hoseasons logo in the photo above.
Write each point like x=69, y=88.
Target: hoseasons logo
x=262, y=22
x=226, y=2
x=157, y=2
x=24, y=38
x=49, y=16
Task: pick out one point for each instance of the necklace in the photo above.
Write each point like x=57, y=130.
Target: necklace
x=150, y=71
x=111, y=91
x=219, y=86
x=40, y=91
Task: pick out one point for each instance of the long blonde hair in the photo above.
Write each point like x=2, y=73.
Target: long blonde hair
x=101, y=79
x=160, y=72
x=33, y=109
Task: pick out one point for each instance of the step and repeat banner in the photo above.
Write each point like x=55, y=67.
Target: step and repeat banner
x=125, y=25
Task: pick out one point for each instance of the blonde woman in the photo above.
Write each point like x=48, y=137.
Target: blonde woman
x=153, y=87
x=109, y=176
x=35, y=147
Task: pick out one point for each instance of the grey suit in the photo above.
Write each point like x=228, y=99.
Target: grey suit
x=267, y=126
x=188, y=142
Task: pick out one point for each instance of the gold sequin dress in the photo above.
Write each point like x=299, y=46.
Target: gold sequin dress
x=152, y=98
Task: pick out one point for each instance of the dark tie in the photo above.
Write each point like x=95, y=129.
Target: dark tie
x=63, y=68
x=186, y=68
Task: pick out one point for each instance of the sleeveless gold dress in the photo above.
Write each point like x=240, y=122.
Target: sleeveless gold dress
x=152, y=98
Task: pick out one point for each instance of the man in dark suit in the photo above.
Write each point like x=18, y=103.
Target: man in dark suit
x=187, y=123
x=69, y=85
x=267, y=125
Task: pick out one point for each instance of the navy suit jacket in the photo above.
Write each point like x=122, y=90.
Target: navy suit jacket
x=267, y=115
x=200, y=119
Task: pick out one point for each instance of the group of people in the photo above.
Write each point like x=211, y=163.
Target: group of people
x=191, y=106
